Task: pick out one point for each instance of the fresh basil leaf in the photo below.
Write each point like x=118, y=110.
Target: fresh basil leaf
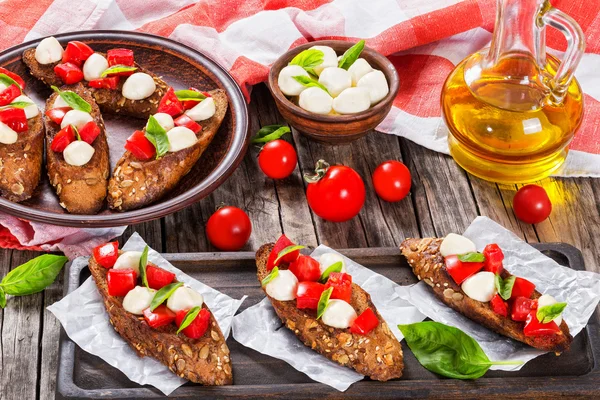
x=269, y=133
x=8, y=81
x=309, y=82
x=18, y=104
x=117, y=69
x=74, y=100
x=189, y=318
x=323, y=302
x=272, y=275
x=335, y=267
x=33, y=276
x=163, y=294
x=143, y=263
x=2, y=298
x=77, y=135
x=471, y=257
x=158, y=136
x=547, y=314
x=351, y=55
x=287, y=251
x=308, y=59
x=189, y=95
x=505, y=286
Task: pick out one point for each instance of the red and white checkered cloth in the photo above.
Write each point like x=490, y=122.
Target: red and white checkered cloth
x=425, y=39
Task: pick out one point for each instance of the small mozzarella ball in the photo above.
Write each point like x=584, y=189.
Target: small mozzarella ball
x=76, y=117
x=283, y=286
x=480, y=287
x=288, y=85
x=203, y=110
x=7, y=135
x=315, y=100
x=456, y=244
x=164, y=120
x=181, y=138
x=184, y=298
x=358, y=69
x=339, y=314
x=94, y=66
x=138, y=299
x=335, y=80
x=59, y=102
x=376, y=84
x=129, y=260
x=78, y=153
x=30, y=111
x=330, y=58
x=138, y=86
x=547, y=300
x=48, y=51
x=328, y=259
x=352, y=100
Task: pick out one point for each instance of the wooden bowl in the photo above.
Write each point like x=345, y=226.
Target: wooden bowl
x=334, y=129
x=181, y=67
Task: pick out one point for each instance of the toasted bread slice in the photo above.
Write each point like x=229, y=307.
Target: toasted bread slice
x=377, y=355
x=81, y=190
x=428, y=265
x=135, y=183
x=205, y=360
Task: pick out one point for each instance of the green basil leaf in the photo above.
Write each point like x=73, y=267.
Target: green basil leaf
x=158, y=136
x=143, y=263
x=18, y=104
x=2, y=298
x=117, y=69
x=269, y=133
x=8, y=81
x=351, y=55
x=33, y=276
x=309, y=82
x=323, y=302
x=547, y=314
x=471, y=257
x=189, y=318
x=189, y=95
x=77, y=135
x=287, y=251
x=74, y=100
x=274, y=273
x=308, y=59
x=335, y=267
x=505, y=286
x=163, y=294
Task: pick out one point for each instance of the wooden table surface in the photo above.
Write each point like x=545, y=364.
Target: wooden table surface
x=443, y=199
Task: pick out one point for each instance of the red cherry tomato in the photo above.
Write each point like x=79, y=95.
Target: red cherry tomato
x=493, y=258
x=62, y=139
x=170, y=104
x=107, y=254
x=522, y=288
x=281, y=244
x=9, y=94
x=76, y=53
x=229, y=228
x=56, y=115
x=521, y=307
x=161, y=316
x=120, y=281
x=69, y=73
x=391, y=180
x=499, y=306
x=89, y=132
x=306, y=268
x=120, y=57
x=308, y=294
x=15, y=119
x=365, y=323
x=13, y=76
x=139, y=145
x=338, y=193
x=531, y=204
x=460, y=270
x=199, y=325
x=341, y=284
x=277, y=159
x=533, y=327
x=185, y=121
x=158, y=277
x=111, y=82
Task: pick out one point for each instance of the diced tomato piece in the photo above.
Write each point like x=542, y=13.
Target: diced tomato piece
x=308, y=294
x=170, y=104
x=56, y=115
x=188, y=104
x=281, y=244
x=111, y=82
x=533, y=327
x=199, y=325
x=62, y=139
x=365, y=323
x=15, y=119
x=341, y=284
x=13, y=76
x=459, y=270
x=139, y=145
x=306, y=268
x=493, y=258
x=107, y=254
x=9, y=94
x=521, y=307
x=76, y=53
x=184, y=120
x=522, y=288
x=161, y=316
x=120, y=281
x=158, y=277
x=89, y=132
x=120, y=57
x=69, y=73
x=499, y=306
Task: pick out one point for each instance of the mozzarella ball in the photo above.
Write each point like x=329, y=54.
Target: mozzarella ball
x=328, y=259
x=138, y=86
x=288, y=85
x=330, y=58
x=203, y=110
x=164, y=120
x=181, y=138
x=335, y=80
x=283, y=286
x=547, y=300
x=7, y=134
x=138, y=299
x=352, y=100
x=339, y=314
x=30, y=111
x=94, y=66
x=376, y=84
x=480, y=287
x=59, y=102
x=184, y=298
x=316, y=100
x=78, y=153
x=77, y=118
x=129, y=260
x=48, y=51
x=358, y=69
x=456, y=244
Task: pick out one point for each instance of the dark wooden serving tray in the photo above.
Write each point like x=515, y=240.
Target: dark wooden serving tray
x=573, y=374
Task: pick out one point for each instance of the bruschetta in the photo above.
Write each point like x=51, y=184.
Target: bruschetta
x=317, y=300
x=160, y=317
x=477, y=286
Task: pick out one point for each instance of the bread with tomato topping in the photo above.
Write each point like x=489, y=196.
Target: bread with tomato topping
x=428, y=265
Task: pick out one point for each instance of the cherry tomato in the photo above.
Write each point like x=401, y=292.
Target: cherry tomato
x=277, y=159
x=281, y=244
x=139, y=145
x=158, y=277
x=531, y=204
x=199, y=325
x=461, y=270
x=161, y=316
x=229, y=228
x=107, y=254
x=308, y=294
x=341, y=283
x=120, y=281
x=533, y=327
x=499, y=306
x=365, y=323
x=306, y=268
x=336, y=193
x=391, y=180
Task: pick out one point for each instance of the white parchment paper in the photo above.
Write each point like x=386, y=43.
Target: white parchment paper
x=579, y=289
x=259, y=328
x=84, y=318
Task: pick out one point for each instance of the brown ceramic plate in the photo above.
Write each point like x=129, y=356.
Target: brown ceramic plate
x=181, y=67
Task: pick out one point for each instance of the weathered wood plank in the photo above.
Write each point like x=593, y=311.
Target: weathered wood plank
x=150, y=231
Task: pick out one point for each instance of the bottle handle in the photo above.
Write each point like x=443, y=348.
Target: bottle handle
x=575, y=49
